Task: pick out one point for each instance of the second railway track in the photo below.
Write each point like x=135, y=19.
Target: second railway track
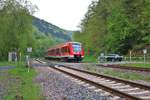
x=125, y=67
x=122, y=88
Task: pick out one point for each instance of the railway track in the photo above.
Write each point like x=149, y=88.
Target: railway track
x=125, y=67
x=122, y=88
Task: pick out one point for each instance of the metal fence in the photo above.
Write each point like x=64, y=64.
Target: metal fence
x=138, y=59
x=130, y=59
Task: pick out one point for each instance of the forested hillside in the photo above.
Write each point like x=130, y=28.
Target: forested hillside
x=20, y=30
x=51, y=30
x=47, y=35
x=115, y=26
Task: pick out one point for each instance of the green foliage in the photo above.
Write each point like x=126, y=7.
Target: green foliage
x=41, y=46
x=89, y=59
x=115, y=26
x=42, y=43
x=15, y=27
x=24, y=86
x=119, y=74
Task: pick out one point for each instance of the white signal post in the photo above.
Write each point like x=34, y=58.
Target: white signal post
x=29, y=50
x=144, y=52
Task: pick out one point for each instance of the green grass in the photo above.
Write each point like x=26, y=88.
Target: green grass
x=89, y=59
x=142, y=65
x=120, y=74
x=127, y=75
x=24, y=86
x=8, y=63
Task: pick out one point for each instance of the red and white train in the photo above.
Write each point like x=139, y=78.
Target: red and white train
x=70, y=51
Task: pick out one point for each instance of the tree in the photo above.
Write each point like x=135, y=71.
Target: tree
x=115, y=26
x=15, y=26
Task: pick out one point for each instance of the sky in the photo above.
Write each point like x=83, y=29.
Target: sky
x=66, y=14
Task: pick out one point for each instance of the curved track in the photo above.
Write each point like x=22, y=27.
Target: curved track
x=119, y=87
x=122, y=88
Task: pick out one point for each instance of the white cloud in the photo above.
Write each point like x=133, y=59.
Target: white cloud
x=66, y=14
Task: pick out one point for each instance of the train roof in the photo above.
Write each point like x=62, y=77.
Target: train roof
x=63, y=44
x=74, y=42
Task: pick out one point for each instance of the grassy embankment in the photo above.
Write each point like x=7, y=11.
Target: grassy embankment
x=23, y=85
x=142, y=65
x=130, y=75
x=127, y=75
x=5, y=63
x=121, y=74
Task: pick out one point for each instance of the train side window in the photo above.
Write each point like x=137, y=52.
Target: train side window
x=53, y=52
x=68, y=50
x=65, y=50
x=62, y=50
x=57, y=51
x=50, y=52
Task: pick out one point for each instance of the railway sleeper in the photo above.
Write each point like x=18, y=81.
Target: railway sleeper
x=139, y=93
x=121, y=87
x=129, y=89
x=145, y=97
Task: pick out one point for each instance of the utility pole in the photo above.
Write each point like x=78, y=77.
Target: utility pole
x=130, y=55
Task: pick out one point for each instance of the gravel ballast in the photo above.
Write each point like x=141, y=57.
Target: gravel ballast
x=99, y=69
x=55, y=86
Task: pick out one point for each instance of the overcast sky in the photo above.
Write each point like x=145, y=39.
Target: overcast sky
x=66, y=14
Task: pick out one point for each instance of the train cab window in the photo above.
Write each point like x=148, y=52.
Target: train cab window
x=76, y=47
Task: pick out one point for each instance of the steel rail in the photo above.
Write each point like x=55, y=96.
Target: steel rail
x=101, y=86
x=113, y=78
x=125, y=67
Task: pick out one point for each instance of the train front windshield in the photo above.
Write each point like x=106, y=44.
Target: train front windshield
x=76, y=47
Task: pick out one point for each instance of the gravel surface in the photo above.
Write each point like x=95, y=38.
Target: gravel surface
x=7, y=67
x=55, y=86
x=3, y=87
x=6, y=82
